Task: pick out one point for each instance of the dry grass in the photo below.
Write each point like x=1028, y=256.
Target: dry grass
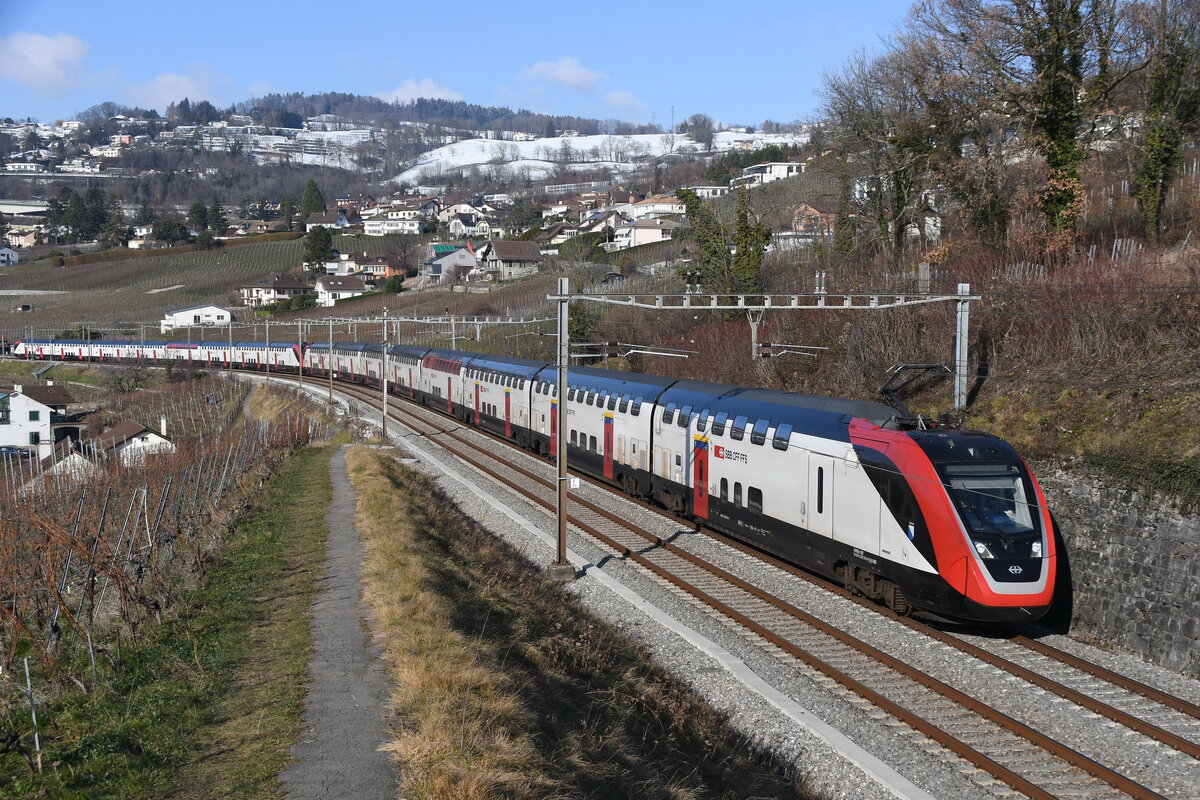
x=505, y=687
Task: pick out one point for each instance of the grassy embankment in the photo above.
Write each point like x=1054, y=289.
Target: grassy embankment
x=506, y=687
x=208, y=704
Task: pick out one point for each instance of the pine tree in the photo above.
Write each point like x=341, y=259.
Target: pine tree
x=4, y=229
x=750, y=244
x=198, y=216
x=713, y=253
x=217, y=221
x=843, y=225
x=287, y=209
x=312, y=201
x=318, y=247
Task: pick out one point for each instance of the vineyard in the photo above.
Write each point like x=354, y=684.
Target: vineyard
x=124, y=290
x=91, y=560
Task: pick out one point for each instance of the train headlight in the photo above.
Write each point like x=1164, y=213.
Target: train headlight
x=983, y=550
x=1035, y=549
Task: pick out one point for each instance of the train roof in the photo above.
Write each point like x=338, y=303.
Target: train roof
x=635, y=384
x=521, y=367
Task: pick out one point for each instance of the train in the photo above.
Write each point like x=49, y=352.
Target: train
x=941, y=522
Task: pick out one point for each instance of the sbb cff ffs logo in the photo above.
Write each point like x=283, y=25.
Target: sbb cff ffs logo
x=729, y=455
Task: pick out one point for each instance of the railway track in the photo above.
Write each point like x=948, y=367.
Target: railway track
x=1151, y=742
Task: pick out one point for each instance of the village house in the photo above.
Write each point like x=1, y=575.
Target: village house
x=272, y=290
x=331, y=288
x=9, y=257
x=767, y=172
x=659, y=205
x=708, y=192
x=815, y=219
x=194, y=317
x=128, y=443
x=448, y=261
x=642, y=231
x=384, y=226
x=22, y=238
x=33, y=418
x=508, y=259
x=337, y=219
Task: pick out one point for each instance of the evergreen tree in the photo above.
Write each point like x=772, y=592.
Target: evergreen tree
x=312, y=201
x=750, y=243
x=843, y=225
x=145, y=215
x=198, y=216
x=715, y=267
x=287, y=209
x=318, y=247
x=217, y=221
x=4, y=229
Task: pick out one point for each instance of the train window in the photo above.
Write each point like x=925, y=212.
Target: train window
x=612, y=402
x=589, y=398
x=820, y=490
x=754, y=499
x=703, y=421
x=738, y=429
x=759, y=434
x=637, y=407
x=668, y=414
x=737, y=494
x=624, y=407
x=719, y=420
x=783, y=433
x=570, y=394
x=572, y=437
x=685, y=416
x=592, y=443
x=521, y=383
x=725, y=489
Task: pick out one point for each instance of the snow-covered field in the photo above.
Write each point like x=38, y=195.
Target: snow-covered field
x=539, y=158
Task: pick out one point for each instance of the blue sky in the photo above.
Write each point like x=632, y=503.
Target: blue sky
x=737, y=62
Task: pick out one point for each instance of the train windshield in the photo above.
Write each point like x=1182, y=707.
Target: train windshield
x=996, y=507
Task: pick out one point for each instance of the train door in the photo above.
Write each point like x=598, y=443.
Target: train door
x=450, y=395
x=635, y=455
x=608, y=446
x=700, y=477
x=478, y=414
x=820, y=494
x=412, y=390
x=508, y=414
x=857, y=518
x=621, y=449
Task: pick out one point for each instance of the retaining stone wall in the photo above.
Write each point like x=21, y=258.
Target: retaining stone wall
x=1135, y=563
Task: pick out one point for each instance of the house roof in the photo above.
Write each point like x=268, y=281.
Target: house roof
x=46, y=394
x=195, y=308
x=323, y=218
x=278, y=282
x=516, y=250
x=119, y=434
x=348, y=283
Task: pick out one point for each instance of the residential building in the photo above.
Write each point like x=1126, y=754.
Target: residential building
x=22, y=238
x=377, y=226
x=272, y=290
x=9, y=257
x=463, y=226
x=642, y=231
x=511, y=258
x=331, y=288
x=127, y=443
x=335, y=219
x=448, y=261
x=707, y=192
x=815, y=219
x=767, y=172
x=195, y=316
x=659, y=205
x=34, y=417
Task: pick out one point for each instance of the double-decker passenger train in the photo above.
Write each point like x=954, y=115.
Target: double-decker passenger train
x=942, y=522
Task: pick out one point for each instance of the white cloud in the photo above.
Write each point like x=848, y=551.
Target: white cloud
x=199, y=83
x=426, y=87
x=625, y=102
x=567, y=72
x=50, y=65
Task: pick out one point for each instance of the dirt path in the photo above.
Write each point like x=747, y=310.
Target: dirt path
x=343, y=723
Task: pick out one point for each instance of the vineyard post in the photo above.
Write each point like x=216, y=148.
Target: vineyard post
x=300, y=351
x=37, y=742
